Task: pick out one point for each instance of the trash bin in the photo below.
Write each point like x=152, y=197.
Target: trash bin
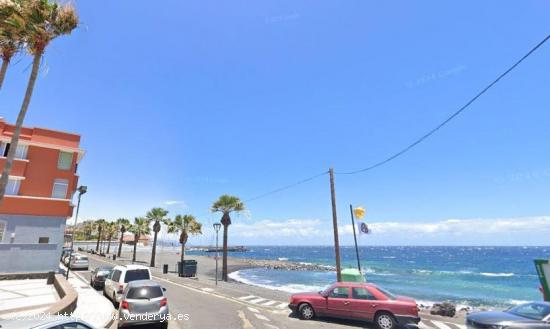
x=188, y=268
x=165, y=268
x=114, y=256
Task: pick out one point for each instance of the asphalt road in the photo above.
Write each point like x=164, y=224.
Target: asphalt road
x=210, y=311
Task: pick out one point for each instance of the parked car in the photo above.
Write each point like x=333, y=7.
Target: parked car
x=357, y=300
x=143, y=302
x=65, y=257
x=98, y=275
x=64, y=252
x=120, y=277
x=524, y=316
x=53, y=322
x=78, y=262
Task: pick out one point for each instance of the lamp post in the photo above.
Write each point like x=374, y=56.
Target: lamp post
x=81, y=190
x=217, y=227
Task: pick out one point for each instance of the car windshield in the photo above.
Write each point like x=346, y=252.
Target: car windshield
x=387, y=293
x=533, y=311
x=133, y=275
x=146, y=292
x=103, y=272
x=81, y=258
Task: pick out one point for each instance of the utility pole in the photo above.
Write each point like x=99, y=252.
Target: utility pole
x=355, y=238
x=335, y=226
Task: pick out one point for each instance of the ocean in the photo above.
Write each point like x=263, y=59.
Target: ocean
x=467, y=276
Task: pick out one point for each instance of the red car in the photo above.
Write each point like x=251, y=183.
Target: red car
x=357, y=300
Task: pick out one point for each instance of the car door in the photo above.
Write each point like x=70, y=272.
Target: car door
x=363, y=303
x=338, y=301
x=112, y=282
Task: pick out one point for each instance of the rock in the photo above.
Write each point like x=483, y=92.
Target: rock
x=444, y=309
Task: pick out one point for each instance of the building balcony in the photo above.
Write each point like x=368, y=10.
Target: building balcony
x=19, y=166
x=36, y=206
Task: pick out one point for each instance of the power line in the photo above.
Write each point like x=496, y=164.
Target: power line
x=454, y=115
x=286, y=187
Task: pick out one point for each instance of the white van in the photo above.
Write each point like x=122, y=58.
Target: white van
x=119, y=278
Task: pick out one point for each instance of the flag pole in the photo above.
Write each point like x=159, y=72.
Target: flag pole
x=355, y=238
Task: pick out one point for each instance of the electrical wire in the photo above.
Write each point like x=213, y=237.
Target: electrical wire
x=286, y=187
x=450, y=118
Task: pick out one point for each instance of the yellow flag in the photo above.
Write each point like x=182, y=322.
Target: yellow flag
x=359, y=212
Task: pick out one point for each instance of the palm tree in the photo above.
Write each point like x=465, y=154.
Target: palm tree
x=156, y=215
x=88, y=228
x=42, y=22
x=226, y=204
x=11, y=35
x=99, y=224
x=139, y=228
x=123, y=225
x=185, y=225
x=111, y=229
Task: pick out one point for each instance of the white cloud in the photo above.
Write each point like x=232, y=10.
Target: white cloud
x=175, y=203
x=451, y=227
x=285, y=228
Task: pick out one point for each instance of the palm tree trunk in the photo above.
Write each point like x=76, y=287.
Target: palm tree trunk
x=153, y=253
x=3, y=70
x=19, y=123
x=182, y=252
x=120, y=243
x=109, y=243
x=98, y=239
x=136, y=239
x=224, y=261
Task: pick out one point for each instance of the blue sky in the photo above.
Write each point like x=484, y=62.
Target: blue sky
x=182, y=102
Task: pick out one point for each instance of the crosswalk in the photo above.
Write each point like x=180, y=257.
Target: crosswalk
x=255, y=300
x=433, y=324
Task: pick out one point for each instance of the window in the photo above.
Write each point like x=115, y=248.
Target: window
x=60, y=187
x=116, y=276
x=4, y=147
x=43, y=239
x=362, y=293
x=2, y=230
x=147, y=292
x=65, y=160
x=387, y=293
x=340, y=292
x=20, y=152
x=134, y=275
x=13, y=187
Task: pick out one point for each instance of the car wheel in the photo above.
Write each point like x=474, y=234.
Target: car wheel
x=385, y=320
x=306, y=311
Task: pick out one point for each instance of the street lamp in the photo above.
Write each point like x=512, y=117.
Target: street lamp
x=217, y=227
x=81, y=190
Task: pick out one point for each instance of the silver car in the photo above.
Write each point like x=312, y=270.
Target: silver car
x=143, y=302
x=79, y=262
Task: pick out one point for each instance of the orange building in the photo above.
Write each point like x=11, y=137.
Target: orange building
x=38, y=197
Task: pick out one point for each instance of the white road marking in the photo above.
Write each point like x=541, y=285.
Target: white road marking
x=247, y=297
x=207, y=289
x=261, y=317
x=282, y=305
x=257, y=300
x=246, y=323
x=270, y=326
x=268, y=303
x=441, y=325
x=252, y=309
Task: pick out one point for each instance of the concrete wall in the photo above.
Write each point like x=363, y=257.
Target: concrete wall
x=24, y=253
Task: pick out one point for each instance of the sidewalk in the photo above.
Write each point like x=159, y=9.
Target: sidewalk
x=91, y=306
x=18, y=297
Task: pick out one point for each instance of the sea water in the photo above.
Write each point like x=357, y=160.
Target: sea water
x=470, y=276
